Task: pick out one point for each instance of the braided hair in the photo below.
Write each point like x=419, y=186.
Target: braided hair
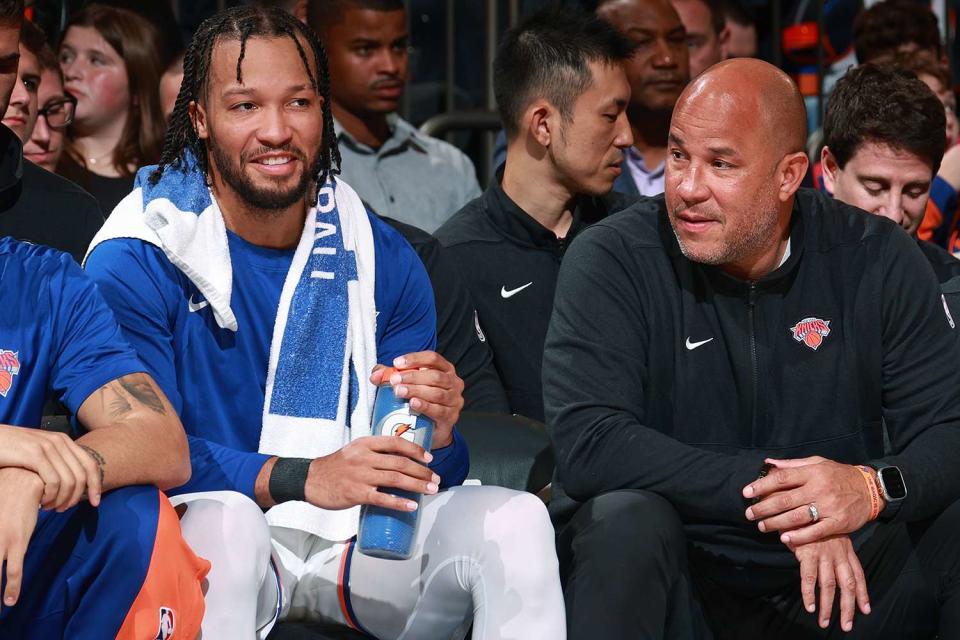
x=242, y=23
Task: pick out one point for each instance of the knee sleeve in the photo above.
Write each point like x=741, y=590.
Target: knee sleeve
x=523, y=520
x=230, y=531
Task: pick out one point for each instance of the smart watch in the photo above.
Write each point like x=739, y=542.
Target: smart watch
x=892, y=488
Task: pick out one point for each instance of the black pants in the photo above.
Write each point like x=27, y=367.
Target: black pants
x=629, y=573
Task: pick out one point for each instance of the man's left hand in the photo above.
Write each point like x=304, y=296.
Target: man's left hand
x=431, y=384
x=837, y=490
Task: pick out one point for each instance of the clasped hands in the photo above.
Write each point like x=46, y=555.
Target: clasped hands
x=822, y=545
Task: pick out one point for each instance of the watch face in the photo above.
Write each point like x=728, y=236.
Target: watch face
x=893, y=483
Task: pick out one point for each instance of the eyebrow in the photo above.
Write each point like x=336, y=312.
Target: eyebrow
x=10, y=58
x=917, y=183
x=247, y=91
x=722, y=151
x=619, y=103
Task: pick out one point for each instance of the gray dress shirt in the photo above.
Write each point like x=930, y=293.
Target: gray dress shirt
x=412, y=178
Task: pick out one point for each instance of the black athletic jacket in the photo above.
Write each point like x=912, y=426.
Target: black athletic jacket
x=509, y=261
x=459, y=338
x=671, y=376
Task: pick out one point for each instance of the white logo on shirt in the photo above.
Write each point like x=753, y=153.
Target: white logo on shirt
x=693, y=345
x=196, y=306
x=512, y=292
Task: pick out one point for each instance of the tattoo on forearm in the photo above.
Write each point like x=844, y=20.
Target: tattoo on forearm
x=101, y=463
x=143, y=392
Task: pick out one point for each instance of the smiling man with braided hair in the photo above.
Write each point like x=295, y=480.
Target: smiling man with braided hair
x=261, y=294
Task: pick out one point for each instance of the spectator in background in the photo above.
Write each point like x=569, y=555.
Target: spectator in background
x=707, y=34
x=111, y=64
x=658, y=71
x=398, y=171
x=883, y=143
x=21, y=113
x=170, y=86
x=896, y=26
x=742, y=29
x=936, y=76
x=562, y=95
x=36, y=205
x=55, y=113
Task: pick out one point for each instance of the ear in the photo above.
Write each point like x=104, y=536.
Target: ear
x=724, y=38
x=793, y=168
x=198, y=117
x=540, y=122
x=829, y=168
x=299, y=11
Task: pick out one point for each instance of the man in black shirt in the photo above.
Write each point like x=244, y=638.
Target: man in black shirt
x=883, y=143
x=459, y=336
x=562, y=95
x=754, y=399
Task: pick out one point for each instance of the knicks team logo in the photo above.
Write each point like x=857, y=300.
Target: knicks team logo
x=811, y=332
x=166, y=624
x=9, y=367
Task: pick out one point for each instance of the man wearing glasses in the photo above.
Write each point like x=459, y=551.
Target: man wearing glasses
x=56, y=112
x=35, y=204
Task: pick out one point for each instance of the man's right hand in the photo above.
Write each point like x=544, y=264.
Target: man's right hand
x=20, y=492
x=351, y=475
x=67, y=471
x=832, y=563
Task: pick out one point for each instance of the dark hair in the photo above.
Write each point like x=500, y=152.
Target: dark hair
x=243, y=23
x=718, y=18
x=884, y=104
x=547, y=55
x=885, y=27
x=48, y=60
x=921, y=62
x=32, y=38
x=11, y=11
x=137, y=42
x=324, y=13
x=735, y=11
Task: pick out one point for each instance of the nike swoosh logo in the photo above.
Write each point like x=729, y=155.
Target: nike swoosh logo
x=512, y=292
x=196, y=306
x=693, y=345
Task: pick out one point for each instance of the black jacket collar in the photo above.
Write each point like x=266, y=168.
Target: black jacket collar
x=522, y=229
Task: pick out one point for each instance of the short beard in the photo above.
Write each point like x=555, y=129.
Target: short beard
x=742, y=244
x=266, y=200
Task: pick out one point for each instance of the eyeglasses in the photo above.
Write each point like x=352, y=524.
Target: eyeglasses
x=59, y=112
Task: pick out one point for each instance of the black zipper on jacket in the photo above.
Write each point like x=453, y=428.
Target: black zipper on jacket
x=751, y=300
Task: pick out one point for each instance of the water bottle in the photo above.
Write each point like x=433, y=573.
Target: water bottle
x=387, y=533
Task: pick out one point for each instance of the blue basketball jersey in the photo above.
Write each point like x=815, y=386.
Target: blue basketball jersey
x=56, y=334
x=215, y=378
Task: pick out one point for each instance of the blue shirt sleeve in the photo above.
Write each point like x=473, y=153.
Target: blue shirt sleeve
x=408, y=323
x=143, y=291
x=90, y=351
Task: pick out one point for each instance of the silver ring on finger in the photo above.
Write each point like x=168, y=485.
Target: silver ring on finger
x=814, y=512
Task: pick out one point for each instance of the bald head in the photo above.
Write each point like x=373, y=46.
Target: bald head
x=745, y=88
x=735, y=161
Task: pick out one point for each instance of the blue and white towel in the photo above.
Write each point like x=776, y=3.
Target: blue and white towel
x=318, y=397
